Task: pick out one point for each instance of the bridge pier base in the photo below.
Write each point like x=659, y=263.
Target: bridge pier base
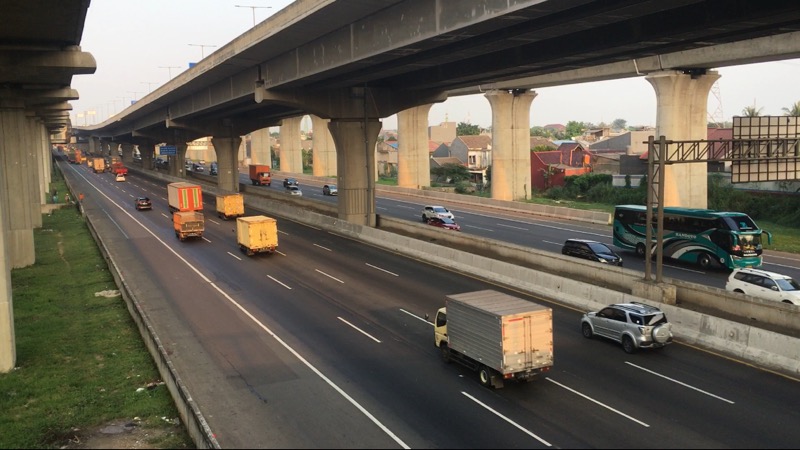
x=324, y=162
x=291, y=155
x=260, y=151
x=227, y=149
x=511, y=144
x=413, y=155
x=681, y=115
x=355, y=155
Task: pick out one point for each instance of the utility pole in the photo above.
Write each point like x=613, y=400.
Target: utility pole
x=149, y=86
x=253, y=9
x=202, y=49
x=170, y=69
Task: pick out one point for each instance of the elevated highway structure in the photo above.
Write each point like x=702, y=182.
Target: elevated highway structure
x=352, y=63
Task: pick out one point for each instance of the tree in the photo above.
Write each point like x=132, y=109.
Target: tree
x=451, y=172
x=575, y=128
x=619, y=124
x=467, y=129
x=540, y=131
x=794, y=110
x=751, y=111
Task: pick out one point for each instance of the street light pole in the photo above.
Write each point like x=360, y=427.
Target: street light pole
x=253, y=8
x=170, y=69
x=149, y=84
x=134, y=94
x=202, y=48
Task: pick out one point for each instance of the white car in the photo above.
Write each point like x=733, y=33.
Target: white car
x=294, y=190
x=436, y=211
x=762, y=284
x=120, y=177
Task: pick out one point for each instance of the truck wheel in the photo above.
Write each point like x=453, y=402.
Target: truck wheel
x=485, y=375
x=445, y=353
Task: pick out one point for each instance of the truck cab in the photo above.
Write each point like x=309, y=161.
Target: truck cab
x=440, y=327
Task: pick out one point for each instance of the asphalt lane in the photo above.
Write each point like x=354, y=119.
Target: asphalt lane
x=326, y=344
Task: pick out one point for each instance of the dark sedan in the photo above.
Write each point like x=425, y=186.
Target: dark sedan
x=143, y=203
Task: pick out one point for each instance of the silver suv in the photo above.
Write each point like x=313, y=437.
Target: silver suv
x=436, y=211
x=634, y=325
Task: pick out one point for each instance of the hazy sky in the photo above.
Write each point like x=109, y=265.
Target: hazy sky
x=138, y=45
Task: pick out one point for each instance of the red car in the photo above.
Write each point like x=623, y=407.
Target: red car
x=444, y=222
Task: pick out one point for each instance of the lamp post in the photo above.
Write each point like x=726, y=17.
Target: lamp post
x=134, y=94
x=202, y=48
x=253, y=8
x=149, y=84
x=170, y=69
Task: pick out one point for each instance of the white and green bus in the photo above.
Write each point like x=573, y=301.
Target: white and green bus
x=700, y=236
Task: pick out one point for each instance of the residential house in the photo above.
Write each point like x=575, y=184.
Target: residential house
x=445, y=132
x=548, y=169
x=541, y=143
x=476, y=152
x=555, y=128
x=596, y=135
x=441, y=151
x=386, y=157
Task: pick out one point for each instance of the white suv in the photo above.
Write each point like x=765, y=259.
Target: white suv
x=762, y=284
x=434, y=211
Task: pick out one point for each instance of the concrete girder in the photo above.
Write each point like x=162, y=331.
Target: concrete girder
x=770, y=48
x=350, y=103
x=31, y=68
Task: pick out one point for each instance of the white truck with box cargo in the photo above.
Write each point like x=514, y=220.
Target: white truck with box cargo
x=257, y=234
x=500, y=336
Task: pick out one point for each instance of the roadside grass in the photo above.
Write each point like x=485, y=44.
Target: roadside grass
x=80, y=358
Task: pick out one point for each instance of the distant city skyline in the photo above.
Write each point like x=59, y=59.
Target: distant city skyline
x=131, y=63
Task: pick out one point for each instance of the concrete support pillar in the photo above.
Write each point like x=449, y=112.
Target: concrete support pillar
x=12, y=119
x=106, y=148
x=127, y=154
x=260, y=152
x=355, y=142
x=227, y=149
x=148, y=152
x=15, y=141
x=324, y=161
x=291, y=152
x=177, y=163
x=44, y=164
x=682, y=114
x=32, y=155
x=413, y=155
x=94, y=146
x=511, y=144
x=260, y=147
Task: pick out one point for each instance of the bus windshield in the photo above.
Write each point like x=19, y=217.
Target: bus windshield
x=740, y=223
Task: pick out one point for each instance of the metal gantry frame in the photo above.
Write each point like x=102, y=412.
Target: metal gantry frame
x=774, y=159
